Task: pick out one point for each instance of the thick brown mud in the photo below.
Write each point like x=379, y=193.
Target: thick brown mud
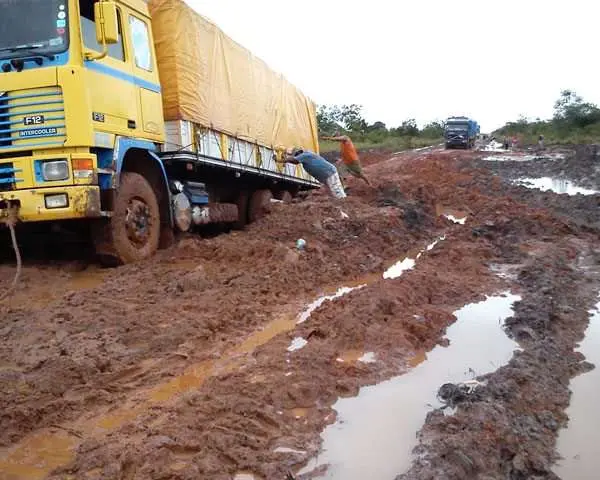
x=204, y=363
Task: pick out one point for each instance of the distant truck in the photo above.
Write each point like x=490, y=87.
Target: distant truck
x=140, y=119
x=461, y=132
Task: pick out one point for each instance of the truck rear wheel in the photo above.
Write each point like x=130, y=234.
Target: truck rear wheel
x=284, y=196
x=260, y=204
x=133, y=232
x=243, y=199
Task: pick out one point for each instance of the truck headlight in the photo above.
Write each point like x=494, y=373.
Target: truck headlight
x=55, y=170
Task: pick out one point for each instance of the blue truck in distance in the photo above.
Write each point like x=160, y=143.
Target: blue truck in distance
x=460, y=132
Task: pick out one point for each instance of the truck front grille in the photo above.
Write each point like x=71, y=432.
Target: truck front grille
x=32, y=118
x=7, y=177
x=4, y=136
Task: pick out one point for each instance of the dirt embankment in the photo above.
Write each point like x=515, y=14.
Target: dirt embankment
x=182, y=367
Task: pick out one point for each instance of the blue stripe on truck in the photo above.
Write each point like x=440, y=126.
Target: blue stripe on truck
x=113, y=72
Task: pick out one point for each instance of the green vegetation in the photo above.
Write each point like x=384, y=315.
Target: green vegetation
x=574, y=121
x=348, y=120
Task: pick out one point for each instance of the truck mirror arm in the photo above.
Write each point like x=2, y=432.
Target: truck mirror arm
x=92, y=56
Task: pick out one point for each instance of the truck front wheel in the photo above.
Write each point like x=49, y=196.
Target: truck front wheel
x=134, y=229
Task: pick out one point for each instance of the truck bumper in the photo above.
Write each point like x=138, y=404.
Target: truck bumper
x=455, y=143
x=82, y=202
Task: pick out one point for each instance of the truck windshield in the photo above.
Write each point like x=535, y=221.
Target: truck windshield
x=33, y=27
x=457, y=126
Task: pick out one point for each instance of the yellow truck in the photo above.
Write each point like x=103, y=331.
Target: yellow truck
x=141, y=119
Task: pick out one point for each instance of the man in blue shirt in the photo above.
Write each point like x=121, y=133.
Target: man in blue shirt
x=317, y=167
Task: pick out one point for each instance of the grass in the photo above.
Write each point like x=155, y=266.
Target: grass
x=395, y=144
x=553, y=135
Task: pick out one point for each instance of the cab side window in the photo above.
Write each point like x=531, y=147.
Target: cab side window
x=88, y=31
x=140, y=37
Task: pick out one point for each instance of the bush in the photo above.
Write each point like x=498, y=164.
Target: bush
x=574, y=122
x=348, y=120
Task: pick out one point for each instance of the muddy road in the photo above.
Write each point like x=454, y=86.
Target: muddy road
x=428, y=330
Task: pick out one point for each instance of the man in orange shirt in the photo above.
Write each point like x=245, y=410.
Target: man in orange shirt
x=350, y=161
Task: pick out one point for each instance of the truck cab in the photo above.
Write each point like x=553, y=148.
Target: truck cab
x=80, y=105
x=460, y=132
x=83, y=134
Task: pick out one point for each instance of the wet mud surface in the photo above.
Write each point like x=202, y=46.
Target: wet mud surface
x=204, y=363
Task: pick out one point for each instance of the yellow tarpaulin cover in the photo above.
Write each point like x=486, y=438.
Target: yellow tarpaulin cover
x=210, y=80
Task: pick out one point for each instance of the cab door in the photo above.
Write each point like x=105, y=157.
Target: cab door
x=146, y=73
x=110, y=84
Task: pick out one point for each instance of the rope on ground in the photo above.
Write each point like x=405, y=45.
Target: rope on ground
x=10, y=221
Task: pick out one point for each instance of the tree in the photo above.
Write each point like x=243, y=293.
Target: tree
x=352, y=119
x=570, y=111
x=408, y=128
x=347, y=117
x=433, y=129
x=377, y=127
x=327, y=119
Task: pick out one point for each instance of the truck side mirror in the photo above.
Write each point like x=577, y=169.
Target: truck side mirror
x=107, y=27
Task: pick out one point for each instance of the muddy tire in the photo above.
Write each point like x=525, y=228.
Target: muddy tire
x=284, y=196
x=242, y=202
x=133, y=232
x=260, y=205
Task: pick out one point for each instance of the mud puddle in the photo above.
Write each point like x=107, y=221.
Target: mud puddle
x=555, y=185
x=45, y=294
x=459, y=220
x=578, y=443
x=376, y=431
x=494, y=146
x=307, y=312
x=408, y=262
x=452, y=214
x=509, y=158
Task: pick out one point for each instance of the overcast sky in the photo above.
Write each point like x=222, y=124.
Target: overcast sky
x=424, y=59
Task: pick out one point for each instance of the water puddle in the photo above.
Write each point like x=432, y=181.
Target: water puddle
x=289, y=450
x=454, y=215
x=244, y=476
x=454, y=219
x=494, y=146
x=554, y=185
x=368, y=357
x=297, y=344
x=578, y=443
x=44, y=294
x=507, y=272
x=39, y=455
x=409, y=262
x=353, y=356
x=399, y=268
x=509, y=158
x=299, y=412
x=320, y=301
x=375, y=432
